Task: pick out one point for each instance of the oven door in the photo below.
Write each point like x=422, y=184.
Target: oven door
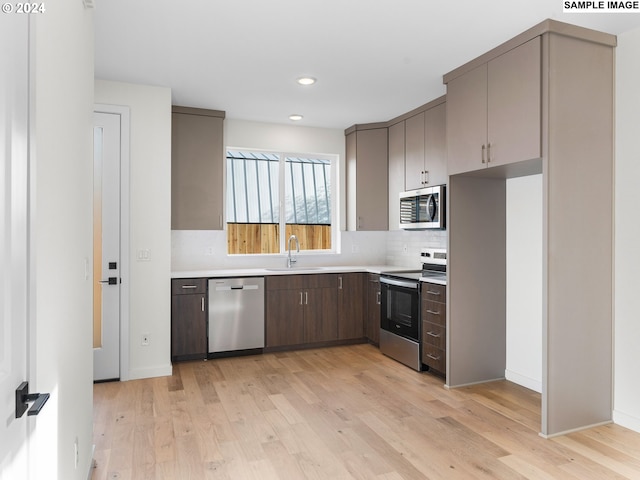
x=399, y=307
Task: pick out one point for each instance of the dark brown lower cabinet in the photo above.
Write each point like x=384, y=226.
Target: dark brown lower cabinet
x=300, y=309
x=372, y=324
x=434, y=327
x=188, y=319
x=351, y=305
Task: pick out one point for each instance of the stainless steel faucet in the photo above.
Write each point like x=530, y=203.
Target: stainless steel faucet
x=291, y=261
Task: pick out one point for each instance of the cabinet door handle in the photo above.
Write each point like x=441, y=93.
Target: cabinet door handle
x=433, y=357
x=187, y=287
x=432, y=312
x=434, y=335
x=340, y=283
x=306, y=298
x=202, y=303
x=431, y=292
x=483, y=149
x=426, y=177
x=301, y=298
x=378, y=298
x=488, y=152
x=359, y=226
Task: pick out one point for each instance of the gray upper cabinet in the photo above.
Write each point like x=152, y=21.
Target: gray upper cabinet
x=396, y=172
x=494, y=111
x=435, y=145
x=426, y=148
x=367, y=177
x=414, y=168
x=197, y=156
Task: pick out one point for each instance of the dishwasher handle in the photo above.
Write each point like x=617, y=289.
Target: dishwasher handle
x=236, y=287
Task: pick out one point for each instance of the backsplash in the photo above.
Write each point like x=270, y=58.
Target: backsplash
x=206, y=250
x=403, y=247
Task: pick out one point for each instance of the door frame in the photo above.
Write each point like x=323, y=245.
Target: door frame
x=125, y=238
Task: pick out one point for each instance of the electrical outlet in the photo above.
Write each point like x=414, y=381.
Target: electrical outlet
x=355, y=248
x=143, y=255
x=209, y=251
x=145, y=340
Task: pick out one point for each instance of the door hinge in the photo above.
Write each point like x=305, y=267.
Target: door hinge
x=23, y=398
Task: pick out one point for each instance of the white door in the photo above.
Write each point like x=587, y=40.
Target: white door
x=14, y=218
x=106, y=246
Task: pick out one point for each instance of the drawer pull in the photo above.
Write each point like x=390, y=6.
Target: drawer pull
x=434, y=335
x=186, y=287
x=431, y=292
x=433, y=357
x=432, y=312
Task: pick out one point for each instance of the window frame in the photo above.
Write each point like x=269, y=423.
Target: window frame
x=333, y=160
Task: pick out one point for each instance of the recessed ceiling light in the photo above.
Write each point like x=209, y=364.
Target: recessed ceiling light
x=306, y=80
x=295, y=117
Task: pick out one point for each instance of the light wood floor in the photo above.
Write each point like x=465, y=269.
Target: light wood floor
x=337, y=413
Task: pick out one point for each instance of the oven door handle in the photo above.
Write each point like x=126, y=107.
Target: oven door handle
x=399, y=283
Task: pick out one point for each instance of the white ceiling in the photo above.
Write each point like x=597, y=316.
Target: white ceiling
x=374, y=59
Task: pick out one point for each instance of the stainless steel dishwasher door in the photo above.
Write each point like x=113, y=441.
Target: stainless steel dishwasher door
x=236, y=314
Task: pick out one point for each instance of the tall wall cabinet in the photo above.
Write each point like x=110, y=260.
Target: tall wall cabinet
x=540, y=103
x=366, y=155
x=197, y=157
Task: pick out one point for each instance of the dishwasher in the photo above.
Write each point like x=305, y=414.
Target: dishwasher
x=236, y=314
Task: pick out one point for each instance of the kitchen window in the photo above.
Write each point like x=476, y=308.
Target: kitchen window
x=271, y=196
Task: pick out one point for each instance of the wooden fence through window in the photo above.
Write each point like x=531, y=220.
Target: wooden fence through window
x=265, y=238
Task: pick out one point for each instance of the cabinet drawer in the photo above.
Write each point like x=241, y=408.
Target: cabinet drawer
x=435, y=335
x=285, y=282
x=434, y=312
x=185, y=286
x=434, y=357
x=322, y=280
x=296, y=282
x=434, y=292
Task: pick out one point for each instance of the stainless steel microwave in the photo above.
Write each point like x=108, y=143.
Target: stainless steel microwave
x=423, y=209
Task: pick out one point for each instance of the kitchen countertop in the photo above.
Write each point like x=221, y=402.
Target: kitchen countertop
x=261, y=272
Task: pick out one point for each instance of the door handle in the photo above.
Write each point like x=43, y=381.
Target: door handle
x=23, y=397
x=110, y=281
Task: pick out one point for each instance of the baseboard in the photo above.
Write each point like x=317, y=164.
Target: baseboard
x=625, y=420
x=479, y=382
x=573, y=430
x=523, y=381
x=150, y=372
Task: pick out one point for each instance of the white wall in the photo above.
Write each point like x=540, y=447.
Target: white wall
x=524, y=282
x=189, y=248
x=150, y=222
x=61, y=302
x=627, y=233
